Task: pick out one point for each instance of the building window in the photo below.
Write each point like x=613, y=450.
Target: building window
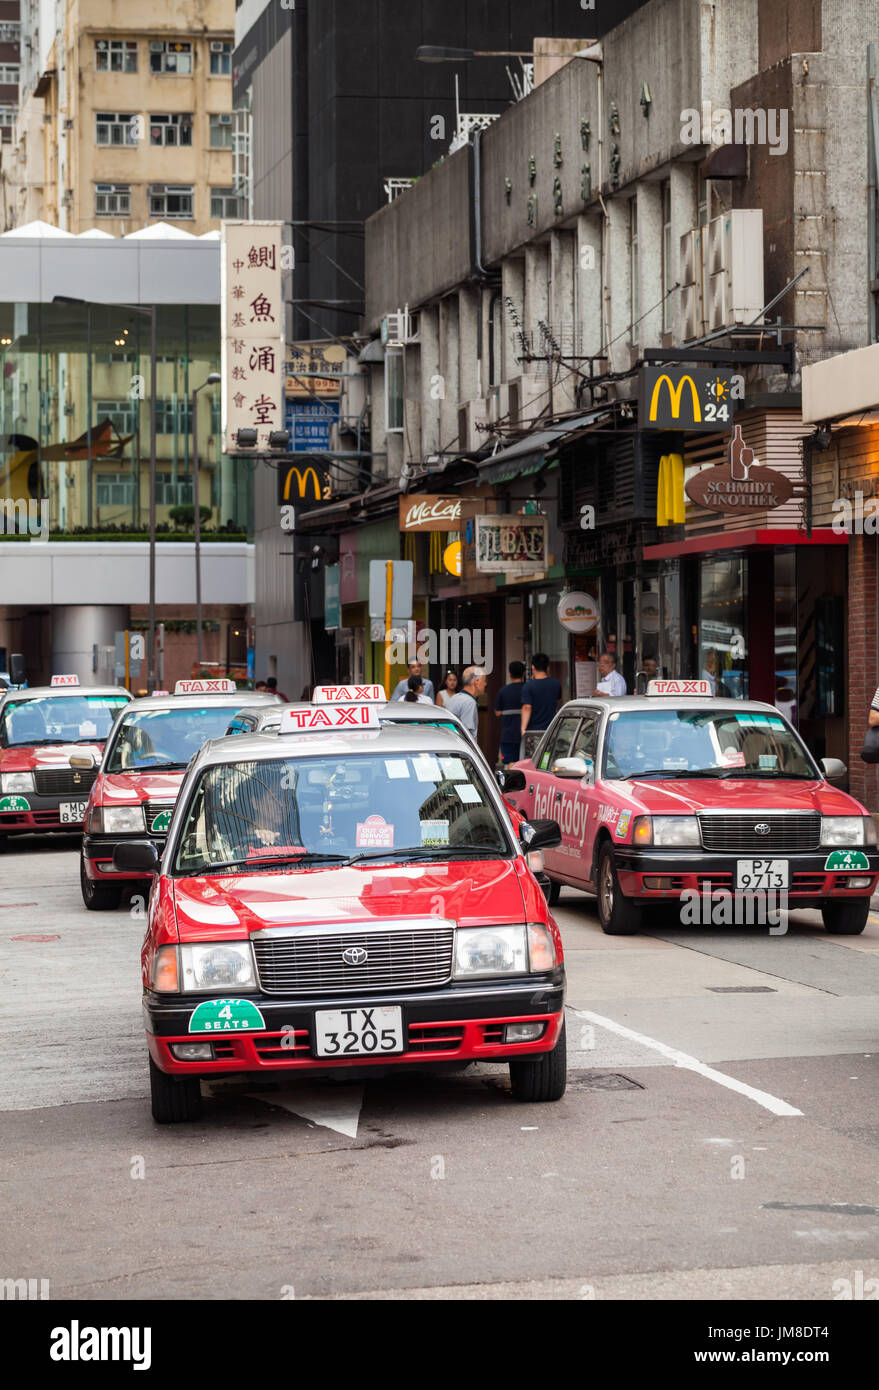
x=7, y=122
x=175, y=417
x=668, y=276
x=114, y=490
x=116, y=128
x=634, y=295
x=221, y=132
x=170, y=57
x=224, y=203
x=121, y=414
x=221, y=58
x=116, y=55
x=171, y=494
x=393, y=390
x=173, y=200
x=171, y=130
x=112, y=199
x=10, y=31
x=9, y=74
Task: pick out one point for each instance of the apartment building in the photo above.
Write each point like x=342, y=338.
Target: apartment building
x=126, y=117
x=10, y=58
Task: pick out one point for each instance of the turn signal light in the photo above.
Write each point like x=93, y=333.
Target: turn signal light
x=541, y=947
x=165, y=970
x=642, y=831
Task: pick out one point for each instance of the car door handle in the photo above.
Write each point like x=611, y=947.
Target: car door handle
x=531, y=788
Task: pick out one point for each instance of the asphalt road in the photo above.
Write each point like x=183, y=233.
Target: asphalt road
x=717, y=1139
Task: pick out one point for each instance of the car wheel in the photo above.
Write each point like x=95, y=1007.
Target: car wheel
x=174, y=1099
x=846, y=918
x=618, y=915
x=553, y=892
x=98, y=897
x=541, y=1078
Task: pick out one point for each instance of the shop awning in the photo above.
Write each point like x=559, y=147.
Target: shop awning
x=755, y=538
x=528, y=455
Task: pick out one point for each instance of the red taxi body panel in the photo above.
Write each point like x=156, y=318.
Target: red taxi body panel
x=128, y=789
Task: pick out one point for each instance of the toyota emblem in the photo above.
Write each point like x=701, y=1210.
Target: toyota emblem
x=762, y=828
x=354, y=955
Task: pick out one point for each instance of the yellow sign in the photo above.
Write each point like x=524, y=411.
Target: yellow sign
x=675, y=393
x=309, y=484
x=452, y=558
x=306, y=365
x=670, y=502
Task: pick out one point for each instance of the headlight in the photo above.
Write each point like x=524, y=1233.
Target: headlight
x=17, y=782
x=491, y=951
x=124, y=820
x=842, y=830
x=666, y=831
x=218, y=965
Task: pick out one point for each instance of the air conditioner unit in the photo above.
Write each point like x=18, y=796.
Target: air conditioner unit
x=691, y=257
x=217, y=46
x=741, y=236
x=155, y=190
x=471, y=414
x=718, y=302
x=691, y=323
x=225, y=120
x=399, y=328
x=157, y=45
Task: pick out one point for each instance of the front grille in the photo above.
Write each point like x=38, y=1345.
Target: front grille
x=736, y=834
x=155, y=809
x=56, y=781
x=312, y=964
x=435, y=1037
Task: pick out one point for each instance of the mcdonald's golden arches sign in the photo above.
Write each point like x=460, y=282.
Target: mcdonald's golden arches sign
x=303, y=483
x=685, y=398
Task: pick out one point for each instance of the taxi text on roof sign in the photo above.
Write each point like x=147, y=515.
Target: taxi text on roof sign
x=301, y=719
x=65, y=680
x=349, y=694
x=205, y=687
x=679, y=687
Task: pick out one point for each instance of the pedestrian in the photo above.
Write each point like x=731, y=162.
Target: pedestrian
x=272, y=688
x=611, y=683
x=463, y=705
x=415, y=694
x=540, y=696
x=649, y=672
x=508, y=707
x=307, y=690
x=415, y=669
x=448, y=688
x=260, y=685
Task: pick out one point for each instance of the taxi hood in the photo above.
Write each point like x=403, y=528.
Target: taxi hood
x=686, y=796
x=47, y=755
x=471, y=892
x=148, y=785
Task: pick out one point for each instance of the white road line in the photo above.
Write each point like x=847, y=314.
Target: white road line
x=683, y=1059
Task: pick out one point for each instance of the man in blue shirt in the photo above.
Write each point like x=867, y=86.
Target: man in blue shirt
x=540, y=695
x=415, y=669
x=509, y=707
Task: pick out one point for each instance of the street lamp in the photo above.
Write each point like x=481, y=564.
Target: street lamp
x=212, y=380
x=149, y=311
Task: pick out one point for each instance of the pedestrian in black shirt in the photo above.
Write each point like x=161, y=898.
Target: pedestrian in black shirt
x=508, y=707
x=540, y=695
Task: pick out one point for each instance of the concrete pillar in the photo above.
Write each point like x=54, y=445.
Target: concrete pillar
x=468, y=331
x=562, y=250
x=684, y=216
x=428, y=320
x=77, y=629
x=619, y=284
x=513, y=290
x=587, y=272
x=449, y=369
x=536, y=293
x=648, y=333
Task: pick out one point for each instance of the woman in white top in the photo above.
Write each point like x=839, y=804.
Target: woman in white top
x=414, y=694
x=448, y=688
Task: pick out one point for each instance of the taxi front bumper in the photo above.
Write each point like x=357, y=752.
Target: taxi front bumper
x=452, y=1024
x=667, y=873
x=41, y=813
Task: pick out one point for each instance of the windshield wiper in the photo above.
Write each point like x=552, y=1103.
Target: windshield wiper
x=431, y=852
x=260, y=861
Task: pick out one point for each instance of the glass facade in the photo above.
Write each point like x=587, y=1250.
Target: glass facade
x=75, y=418
x=723, y=625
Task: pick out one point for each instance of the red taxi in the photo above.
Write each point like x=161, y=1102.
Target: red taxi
x=144, y=761
x=346, y=895
x=40, y=727
x=677, y=792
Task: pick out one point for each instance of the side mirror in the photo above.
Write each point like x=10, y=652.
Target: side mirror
x=140, y=856
x=540, y=834
x=570, y=767
x=512, y=780
x=17, y=668
x=86, y=761
x=834, y=769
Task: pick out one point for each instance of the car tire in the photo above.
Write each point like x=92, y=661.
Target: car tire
x=846, y=918
x=98, y=897
x=618, y=915
x=174, y=1099
x=543, y=1078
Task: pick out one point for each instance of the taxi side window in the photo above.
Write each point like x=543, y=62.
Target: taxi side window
x=584, y=744
x=560, y=746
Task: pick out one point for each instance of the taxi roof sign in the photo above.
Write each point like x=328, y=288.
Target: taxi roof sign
x=160, y=692
x=64, y=680
x=679, y=687
x=349, y=695
x=304, y=719
x=220, y=686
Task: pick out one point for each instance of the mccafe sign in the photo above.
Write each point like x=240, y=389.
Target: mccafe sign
x=424, y=513
x=742, y=485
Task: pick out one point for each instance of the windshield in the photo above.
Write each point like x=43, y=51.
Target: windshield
x=157, y=738
x=283, y=810
x=688, y=743
x=58, y=719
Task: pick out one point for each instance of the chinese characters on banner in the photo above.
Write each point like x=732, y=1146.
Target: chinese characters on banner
x=252, y=329
x=304, y=363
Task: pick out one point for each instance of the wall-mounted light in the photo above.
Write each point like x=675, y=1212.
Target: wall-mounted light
x=278, y=439
x=246, y=439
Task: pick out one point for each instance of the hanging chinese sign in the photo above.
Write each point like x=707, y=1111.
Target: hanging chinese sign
x=253, y=338
x=507, y=544
x=315, y=369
